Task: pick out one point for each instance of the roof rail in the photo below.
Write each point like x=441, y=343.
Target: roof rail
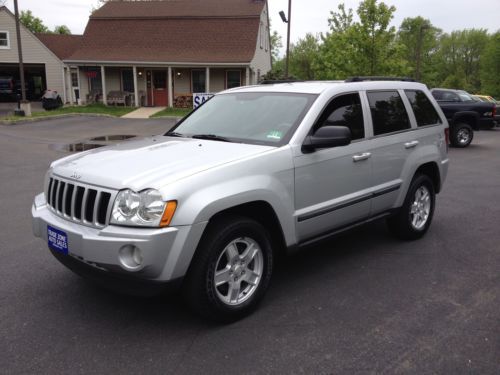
x=378, y=78
x=273, y=81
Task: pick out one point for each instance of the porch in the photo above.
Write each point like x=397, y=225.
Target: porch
x=150, y=86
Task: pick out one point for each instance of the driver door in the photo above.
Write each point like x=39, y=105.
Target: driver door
x=332, y=185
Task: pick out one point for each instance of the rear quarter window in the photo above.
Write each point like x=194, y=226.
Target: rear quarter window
x=388, y=112
x=424, y=110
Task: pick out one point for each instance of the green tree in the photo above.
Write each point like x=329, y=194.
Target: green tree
x=276, y=45
x=364, y=47
x=490, y=67
x=62, y=29
x=459, y=57
x=302, y=55
x=419, y=40
x=32, y=23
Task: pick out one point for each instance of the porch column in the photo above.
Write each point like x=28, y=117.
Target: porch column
x=170, y=88
x=69, y=86
x=207, y=79
x=136, y=89
x=247, y=76
x=64, y=84
x=79, y=100
x=103, y=80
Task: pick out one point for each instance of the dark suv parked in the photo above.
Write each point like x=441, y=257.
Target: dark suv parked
x=464, y=114
x=7, y=87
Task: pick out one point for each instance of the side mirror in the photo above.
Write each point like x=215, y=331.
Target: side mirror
x=327, y=137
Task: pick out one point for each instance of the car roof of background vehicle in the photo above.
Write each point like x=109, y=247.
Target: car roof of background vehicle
x=318, y=87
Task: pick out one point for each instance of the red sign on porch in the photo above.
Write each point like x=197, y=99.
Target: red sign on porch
x=91, y=74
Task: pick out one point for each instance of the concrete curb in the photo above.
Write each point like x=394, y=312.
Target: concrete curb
x=43, y=118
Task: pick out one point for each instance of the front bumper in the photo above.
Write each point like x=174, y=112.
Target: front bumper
x=166, y=252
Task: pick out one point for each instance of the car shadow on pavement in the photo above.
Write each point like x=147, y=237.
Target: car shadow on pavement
x=305, y=270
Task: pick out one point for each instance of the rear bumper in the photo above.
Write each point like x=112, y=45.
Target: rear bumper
x=166, y=252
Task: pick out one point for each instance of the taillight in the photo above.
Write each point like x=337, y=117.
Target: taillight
x=494, y=112
x=447, y=138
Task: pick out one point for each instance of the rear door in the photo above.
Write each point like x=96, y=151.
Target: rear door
x=392, y=143
x=331, y=185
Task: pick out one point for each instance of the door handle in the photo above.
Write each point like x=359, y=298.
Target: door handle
x=411, y=144
x=360, y=157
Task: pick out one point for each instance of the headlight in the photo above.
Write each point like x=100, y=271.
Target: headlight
x=146, y=208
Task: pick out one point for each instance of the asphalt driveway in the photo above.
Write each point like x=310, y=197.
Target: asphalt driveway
x=361, y=303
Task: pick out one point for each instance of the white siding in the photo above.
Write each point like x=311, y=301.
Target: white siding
x=34, y=52
x=262, y=58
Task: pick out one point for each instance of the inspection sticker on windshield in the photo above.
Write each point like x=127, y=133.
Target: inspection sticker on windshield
x=274, y=134
x=57, y=240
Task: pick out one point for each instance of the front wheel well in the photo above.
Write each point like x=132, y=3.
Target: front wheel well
x=432, y=171
x=263, y=213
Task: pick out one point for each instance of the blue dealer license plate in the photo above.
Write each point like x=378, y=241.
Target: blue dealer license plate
x=57, y=240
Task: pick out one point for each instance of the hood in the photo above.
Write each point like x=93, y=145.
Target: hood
x=151, y=162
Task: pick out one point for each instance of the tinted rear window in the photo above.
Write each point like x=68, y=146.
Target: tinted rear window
x=424, y=111
x=388, y=112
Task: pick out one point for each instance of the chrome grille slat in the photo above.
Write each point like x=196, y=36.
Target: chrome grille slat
x=96, y=207
x=73, y=200
x=64, y=193
x=58, y=192
x=84, y=205
x=68, y=199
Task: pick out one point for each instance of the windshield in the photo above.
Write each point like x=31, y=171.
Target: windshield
x=247, y=117
x=466, y=97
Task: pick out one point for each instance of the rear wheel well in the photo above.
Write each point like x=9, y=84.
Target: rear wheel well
x=432, y=171
x=263, y=213
x=466, y=119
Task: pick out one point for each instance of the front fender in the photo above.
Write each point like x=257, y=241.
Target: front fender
x=206, y=202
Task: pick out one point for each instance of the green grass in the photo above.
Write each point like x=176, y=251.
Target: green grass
x=89, y=109
x=174, y=112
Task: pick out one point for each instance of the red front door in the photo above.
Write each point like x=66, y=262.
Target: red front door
x=160, y=96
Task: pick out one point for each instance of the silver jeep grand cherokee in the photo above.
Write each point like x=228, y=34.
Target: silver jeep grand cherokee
x=252, y=172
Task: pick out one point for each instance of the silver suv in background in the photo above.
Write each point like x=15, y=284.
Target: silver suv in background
x=253, y=172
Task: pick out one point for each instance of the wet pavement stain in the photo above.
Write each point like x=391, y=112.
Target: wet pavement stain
x=91, y=143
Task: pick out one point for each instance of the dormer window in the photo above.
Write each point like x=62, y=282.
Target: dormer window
x=4, y=40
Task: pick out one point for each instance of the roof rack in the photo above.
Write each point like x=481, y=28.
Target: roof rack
x=379, y=78
x=272, y=81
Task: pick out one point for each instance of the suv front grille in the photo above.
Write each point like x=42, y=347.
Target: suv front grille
x=79, y=203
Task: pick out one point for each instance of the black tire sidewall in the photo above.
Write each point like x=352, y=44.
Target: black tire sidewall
x=203, y=296
x=456, y=128
x=418, y=181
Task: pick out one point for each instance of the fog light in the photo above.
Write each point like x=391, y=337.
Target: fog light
x=130, y=257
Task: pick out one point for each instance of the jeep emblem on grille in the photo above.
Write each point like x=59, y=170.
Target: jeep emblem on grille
x=75, y=176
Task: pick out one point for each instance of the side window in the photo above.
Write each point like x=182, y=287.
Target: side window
x=450, y=97
x=388, y=112
x=344, y=110
x=424, y=111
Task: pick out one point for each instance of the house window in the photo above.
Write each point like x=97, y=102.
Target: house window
x=128, y=80
x=74, y=79
x=4, y=40
x=261, y=32
x=198, y=80
x=233, y=78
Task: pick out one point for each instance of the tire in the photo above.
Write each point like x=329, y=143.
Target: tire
x=242, y=279
x=415, y=216
x=461, y=135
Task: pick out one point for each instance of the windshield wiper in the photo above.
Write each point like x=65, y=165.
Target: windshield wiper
x=211, y=137
x=174, y=134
